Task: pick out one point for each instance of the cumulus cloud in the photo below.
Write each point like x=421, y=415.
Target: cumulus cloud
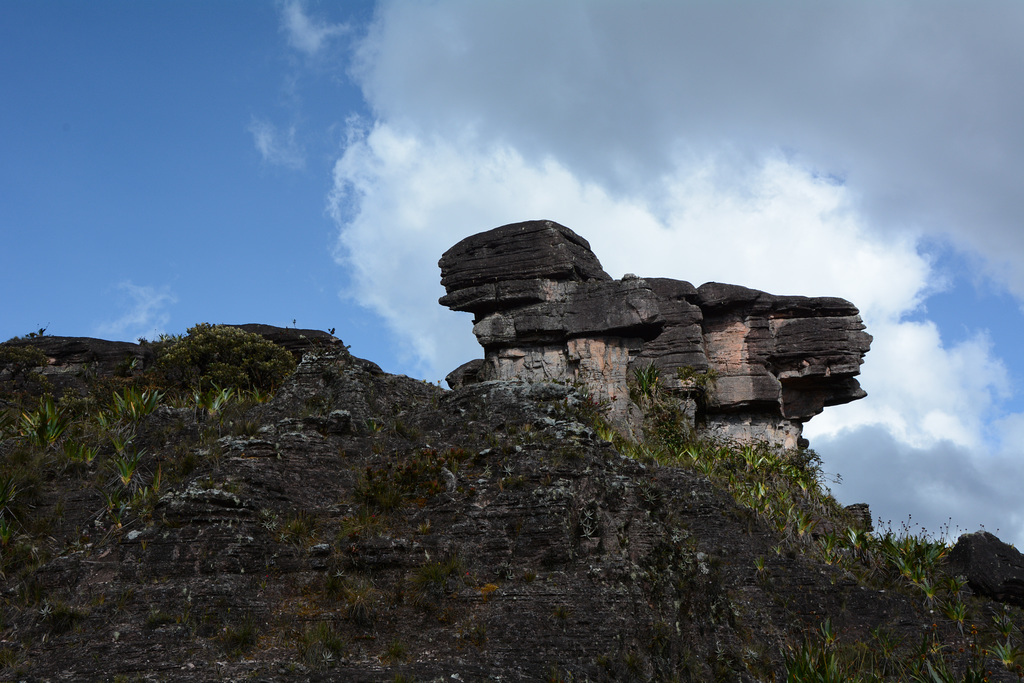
x=932, y=487
x=144, y=312
x=924, y=391
x=398, y=196
x=277, y=147
x=304, y=33
x=916, y=107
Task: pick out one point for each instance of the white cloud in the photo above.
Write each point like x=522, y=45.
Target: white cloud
x=144, y=313
x=917, y=106
x=923, y=391
x=277, y=148
x=402, y=201
x=934, y=486
x=304, y=33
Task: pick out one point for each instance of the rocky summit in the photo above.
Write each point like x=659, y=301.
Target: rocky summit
x=252, y=503
x=755, y=365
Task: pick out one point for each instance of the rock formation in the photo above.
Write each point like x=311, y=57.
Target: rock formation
x=754, y=366
x=993, y=568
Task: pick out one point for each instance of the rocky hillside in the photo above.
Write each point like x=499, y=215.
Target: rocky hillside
x=322, y=520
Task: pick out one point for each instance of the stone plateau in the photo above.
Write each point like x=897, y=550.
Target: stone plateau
x=545, y=310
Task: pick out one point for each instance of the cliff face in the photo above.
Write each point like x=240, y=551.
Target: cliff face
x=369, y=527
x=546, y=310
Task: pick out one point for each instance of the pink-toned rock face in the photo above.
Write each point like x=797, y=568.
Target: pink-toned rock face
x=546, y=311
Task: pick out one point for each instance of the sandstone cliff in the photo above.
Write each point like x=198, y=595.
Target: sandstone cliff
x=546, y=310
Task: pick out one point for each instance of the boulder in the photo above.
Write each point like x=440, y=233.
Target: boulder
x=464, y=374
x=993, y=568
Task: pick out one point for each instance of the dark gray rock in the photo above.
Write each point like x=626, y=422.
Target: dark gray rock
x=532, y=250
x=295, y=341
x=572, y=561
x=464, y=374
x=862, y=515
x=73, y=362
x=993, y=568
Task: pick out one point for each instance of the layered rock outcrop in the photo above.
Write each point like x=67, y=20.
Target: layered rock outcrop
x=753, y=366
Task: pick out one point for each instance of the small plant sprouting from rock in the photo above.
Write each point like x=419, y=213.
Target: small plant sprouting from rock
x=361, y=601
x=242, y=637
x=646, y=385
x=432, y=580
x=319, y=644
x=299, y=529
x=395, y=652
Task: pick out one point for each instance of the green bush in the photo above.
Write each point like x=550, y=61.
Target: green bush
x=18, y=359
x=222, y=356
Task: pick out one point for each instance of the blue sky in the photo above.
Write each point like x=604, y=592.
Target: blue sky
x=168, y=163
x=134, y=197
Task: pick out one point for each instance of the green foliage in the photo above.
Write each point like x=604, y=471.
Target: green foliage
x=363, y=523
x=319, y=644
x=646, y=385
x=214, y=356
x=18, y=359
x=9, y=658
x=417, y=476
x=299, y=529
x=395, y=652
x=47, y=423
x=79, y=453
x=8, y=493
x=8, y=424
x=60, y=617
x=912, y=557
x=214, y=400
x=432, y=580
x=361, y=601
x=7, y=532
x=133, y=404
x=240, y=638
x=698, y=385
x=125, y=467
x=157, y=618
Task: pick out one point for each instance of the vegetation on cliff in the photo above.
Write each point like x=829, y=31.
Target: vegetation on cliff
x=334, y=522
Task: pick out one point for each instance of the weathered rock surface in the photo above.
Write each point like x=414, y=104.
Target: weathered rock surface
x=71, y=362
x=569, y=558
x=546, y=310
x=993, y=568
x=295, y=341
x=362, y=526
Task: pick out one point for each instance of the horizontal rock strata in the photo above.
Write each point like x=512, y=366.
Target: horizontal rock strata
x=545, y=309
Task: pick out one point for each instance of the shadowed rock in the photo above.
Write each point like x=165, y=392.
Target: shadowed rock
x=993, y=568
